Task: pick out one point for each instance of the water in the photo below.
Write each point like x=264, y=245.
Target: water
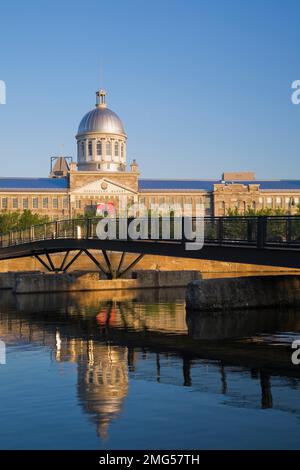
x=128, y=370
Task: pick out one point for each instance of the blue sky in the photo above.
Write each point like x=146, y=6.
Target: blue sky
x=201, y=86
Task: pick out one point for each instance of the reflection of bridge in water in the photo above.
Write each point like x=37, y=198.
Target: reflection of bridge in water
x=111, y=341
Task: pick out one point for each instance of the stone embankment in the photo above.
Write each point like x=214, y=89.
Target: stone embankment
x=243, y=293
x=31, y=282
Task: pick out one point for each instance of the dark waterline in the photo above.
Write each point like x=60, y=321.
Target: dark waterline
x=129, y=370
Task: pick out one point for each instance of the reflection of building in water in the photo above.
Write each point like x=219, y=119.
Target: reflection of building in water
x=144, y=316
x=103, y=367
x=102, y=377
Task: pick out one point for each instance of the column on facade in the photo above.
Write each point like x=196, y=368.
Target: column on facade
x=79, y=150
x=94, y=149
x=86, y=149
x=112, y=146
x=124, y=152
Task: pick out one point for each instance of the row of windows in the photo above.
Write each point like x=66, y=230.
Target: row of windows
x=266, y=202
x=33, y=203
x=280, y=201
x=175, y=200
x=109, y=146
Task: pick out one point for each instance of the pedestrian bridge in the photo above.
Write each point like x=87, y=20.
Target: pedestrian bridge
x=269, y=241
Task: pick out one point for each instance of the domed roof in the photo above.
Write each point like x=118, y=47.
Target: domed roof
x=101, y=119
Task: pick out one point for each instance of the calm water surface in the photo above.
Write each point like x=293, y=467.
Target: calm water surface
x=129, y=370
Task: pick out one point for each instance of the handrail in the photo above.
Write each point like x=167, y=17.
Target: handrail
x=255, y=231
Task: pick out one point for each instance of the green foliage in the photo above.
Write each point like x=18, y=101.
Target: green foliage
x=90, y=213
x=277, y=230
x=249, y=212
x=19, y=220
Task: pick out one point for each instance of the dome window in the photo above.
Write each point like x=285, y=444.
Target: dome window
x=99, y=148
x=90, y=146
x=116, y=149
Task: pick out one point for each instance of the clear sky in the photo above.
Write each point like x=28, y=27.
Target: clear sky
x=202, y=86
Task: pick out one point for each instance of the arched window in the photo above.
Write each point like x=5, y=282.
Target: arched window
x=116, y=149
x=108, y=147
x=122, y=150
x=82, y=149
x=99, y=148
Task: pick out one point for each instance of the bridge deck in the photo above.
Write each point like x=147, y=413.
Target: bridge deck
x=270, y=241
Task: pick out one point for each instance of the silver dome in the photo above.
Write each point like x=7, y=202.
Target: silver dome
x=102, y=120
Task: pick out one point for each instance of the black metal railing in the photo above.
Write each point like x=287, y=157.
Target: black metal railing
x=280, y=231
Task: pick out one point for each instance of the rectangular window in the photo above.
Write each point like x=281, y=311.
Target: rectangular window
x=99, y=148
x=65, y=203
x=116, y=149
x=25, y=203
x=45, y=203
x=15, y=203
x=207, y=203
x=35, y=202
x=4, y=203
x=90, y=148
x=260, y=200
x=78, y=204
x=269, y=201
x=55, y=203
x=296, y=199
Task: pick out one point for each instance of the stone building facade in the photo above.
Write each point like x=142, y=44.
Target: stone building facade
x=100, y=177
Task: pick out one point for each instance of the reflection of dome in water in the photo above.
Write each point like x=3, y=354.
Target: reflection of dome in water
x=103, y=383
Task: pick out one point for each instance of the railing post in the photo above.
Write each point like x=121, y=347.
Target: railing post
x=249, y=232
x=88, y=228
x=56, y=230
x=288, y=230
x=261, y=231
x=220, y=230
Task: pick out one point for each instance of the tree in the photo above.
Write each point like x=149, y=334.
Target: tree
x=20, y=220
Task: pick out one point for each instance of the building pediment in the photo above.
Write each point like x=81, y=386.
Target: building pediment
x=103, y=186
